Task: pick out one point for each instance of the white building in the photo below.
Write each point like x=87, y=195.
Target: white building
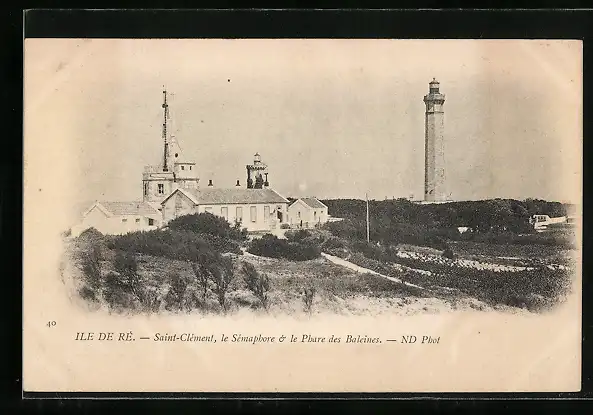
x=542, y=222
x=258, y=210
x=307, y=212
x=118, y=218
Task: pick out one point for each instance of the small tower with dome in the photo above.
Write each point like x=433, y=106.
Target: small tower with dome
x=257, y=173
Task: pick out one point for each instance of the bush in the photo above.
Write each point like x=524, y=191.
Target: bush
x=298, y=235
x=347, y=229
x=201, y=267
x=333, y=243
x=258, y=284
x=176, y=294
x=181, y=245
x=116, y=292
x=91, y=267
x=272, y=247
x=308, y=298
x=369, y=250
x=221, y=275
x=90, y=235
x=88, y=294
x=285, y=226
x=209, y=224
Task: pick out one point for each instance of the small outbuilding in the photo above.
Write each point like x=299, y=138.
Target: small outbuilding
x=307, y=212
x=118, y=218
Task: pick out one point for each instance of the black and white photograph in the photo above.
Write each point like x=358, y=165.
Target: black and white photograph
x=357, y=197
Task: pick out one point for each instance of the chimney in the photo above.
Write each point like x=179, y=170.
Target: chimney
x=210, y=183
x=238, y=184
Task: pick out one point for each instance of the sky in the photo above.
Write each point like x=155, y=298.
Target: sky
x=331, y=118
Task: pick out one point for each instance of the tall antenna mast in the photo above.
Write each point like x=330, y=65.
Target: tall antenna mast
x=165, y=115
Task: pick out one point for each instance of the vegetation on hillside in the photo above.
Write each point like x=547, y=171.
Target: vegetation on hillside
x=480, y=215
x=498, y=221
x=195, y=262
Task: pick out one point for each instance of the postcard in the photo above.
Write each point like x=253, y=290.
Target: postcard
x=302, y=215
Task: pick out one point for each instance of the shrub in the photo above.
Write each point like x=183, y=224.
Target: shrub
x=202, y=273
x=181, y=245
x=258, y=284
x=91, y=267
x=297, y=235
x=272, y=247
x=369, y=250
x=285, y=226
x=125, y=263
x=209, y=224
x=90, y=235
x=175, y=296
x=221, y=275
x=268, y=245
x=348, y=229
x=333, y=243
x=150, y=300
x=87, y=293
x=302, y=252
x=116, y=292
x=308, y=298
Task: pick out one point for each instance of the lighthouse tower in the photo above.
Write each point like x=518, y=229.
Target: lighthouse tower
x=434, y=163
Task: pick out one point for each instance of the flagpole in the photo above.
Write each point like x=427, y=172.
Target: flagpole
x=368, y=230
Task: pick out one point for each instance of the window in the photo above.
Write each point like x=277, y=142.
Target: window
x=314, y=215
x=208, y=209
x=145, y=188
x=124, y=220
x=137, y=220
x=161, y=188
x=253, y=213
x=266, y=213
x=239, y=213
x=150, y=222
x=190, y=167
x=299, y=214
x=182, y=168
x=224, y=212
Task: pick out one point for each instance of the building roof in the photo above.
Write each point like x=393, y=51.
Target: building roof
x=231, y=196
x=313, y=202
x=127, y=208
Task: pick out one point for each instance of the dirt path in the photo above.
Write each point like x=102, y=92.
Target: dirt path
x=354, y=267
